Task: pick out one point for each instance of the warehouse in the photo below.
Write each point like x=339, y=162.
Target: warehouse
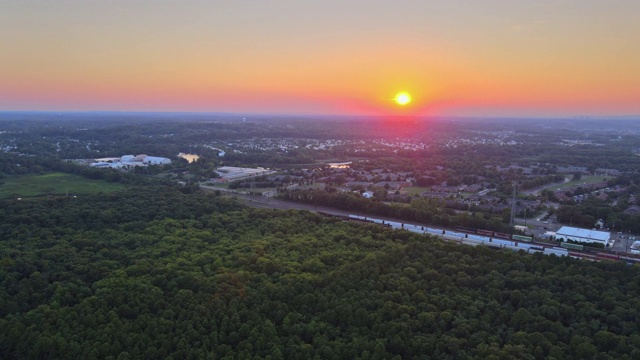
x=129, y=161
x=154, y=160
x=231, y=173
x=583, y=235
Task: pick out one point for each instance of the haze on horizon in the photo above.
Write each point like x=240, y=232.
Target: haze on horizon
x=455, y=58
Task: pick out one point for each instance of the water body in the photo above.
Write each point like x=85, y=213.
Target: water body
x=189, y=157
x=343, y=165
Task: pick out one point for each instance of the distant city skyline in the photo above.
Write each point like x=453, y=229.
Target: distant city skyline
x=493, y=58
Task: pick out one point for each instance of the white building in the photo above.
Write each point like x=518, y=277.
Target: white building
x=154, y=160
x=129, y=161
x=104, y=165
x=583, y=235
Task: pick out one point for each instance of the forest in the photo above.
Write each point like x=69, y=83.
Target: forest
x=158, y=273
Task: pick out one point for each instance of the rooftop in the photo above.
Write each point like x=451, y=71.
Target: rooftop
x=584, y=233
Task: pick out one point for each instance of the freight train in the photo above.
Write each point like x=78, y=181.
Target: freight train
x=474, y=237
x=494, y=234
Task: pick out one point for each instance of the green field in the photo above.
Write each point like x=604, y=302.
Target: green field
x=584, y=180
x=53, y=184
x=412, y=190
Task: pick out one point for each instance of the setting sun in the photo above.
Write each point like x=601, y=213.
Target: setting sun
x=402, y=98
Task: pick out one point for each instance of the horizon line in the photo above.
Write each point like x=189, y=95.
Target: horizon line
x=315, y=115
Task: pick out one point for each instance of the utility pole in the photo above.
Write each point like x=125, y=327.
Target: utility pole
x=513, y=205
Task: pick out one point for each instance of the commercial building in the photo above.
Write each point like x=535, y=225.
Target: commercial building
x=583, y=235
x=231, y=173
x=129, y=161
x=154, y=160
x=104, y=164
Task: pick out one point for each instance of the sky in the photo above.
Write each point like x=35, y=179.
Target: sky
x=350, y=57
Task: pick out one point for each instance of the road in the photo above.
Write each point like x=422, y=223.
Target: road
x=538, y=190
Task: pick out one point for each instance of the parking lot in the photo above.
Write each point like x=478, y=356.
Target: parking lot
x=538, y=226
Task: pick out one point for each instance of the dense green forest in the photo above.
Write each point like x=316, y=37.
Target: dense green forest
x=157, y=273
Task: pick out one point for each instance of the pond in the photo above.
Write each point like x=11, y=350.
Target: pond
x=189, y=157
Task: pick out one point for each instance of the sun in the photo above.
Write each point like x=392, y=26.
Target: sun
x=402, y=98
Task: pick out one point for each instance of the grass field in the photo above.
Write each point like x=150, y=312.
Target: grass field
x=412, y=190
x=584, y=180
x=53, y=184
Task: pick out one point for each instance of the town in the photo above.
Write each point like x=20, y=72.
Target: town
x=534, y=179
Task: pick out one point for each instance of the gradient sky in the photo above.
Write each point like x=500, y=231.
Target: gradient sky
x=473, y=57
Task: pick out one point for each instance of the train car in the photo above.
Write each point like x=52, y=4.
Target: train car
x=606, y=256
x=522, y=238
x=556, y=251
x=523, y=245
x=474, y=241
x=393, y=224
x=478, y=238
x=470, y=242
x=585, y=256
x=457, y=239
x=465, y=229
x=571, y=246
x=502, y=235
x=485, y=232
x=503, y=242
x=453, y=233
x=575, y=255
x=630, y=260
x=433, y=231
x=495, y=245
x=358, y=218
x=413, y=228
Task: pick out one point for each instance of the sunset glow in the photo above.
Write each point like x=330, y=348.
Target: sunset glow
x=456, y=58
x=402, y=98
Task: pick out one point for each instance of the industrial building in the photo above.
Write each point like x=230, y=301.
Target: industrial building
x=154, y=160
x=231, y=173
x=130, y=161
x=583, y=235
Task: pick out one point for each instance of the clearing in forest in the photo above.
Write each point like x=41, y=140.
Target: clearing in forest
x=53, y=184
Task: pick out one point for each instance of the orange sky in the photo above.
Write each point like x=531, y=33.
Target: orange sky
x=483, y=58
